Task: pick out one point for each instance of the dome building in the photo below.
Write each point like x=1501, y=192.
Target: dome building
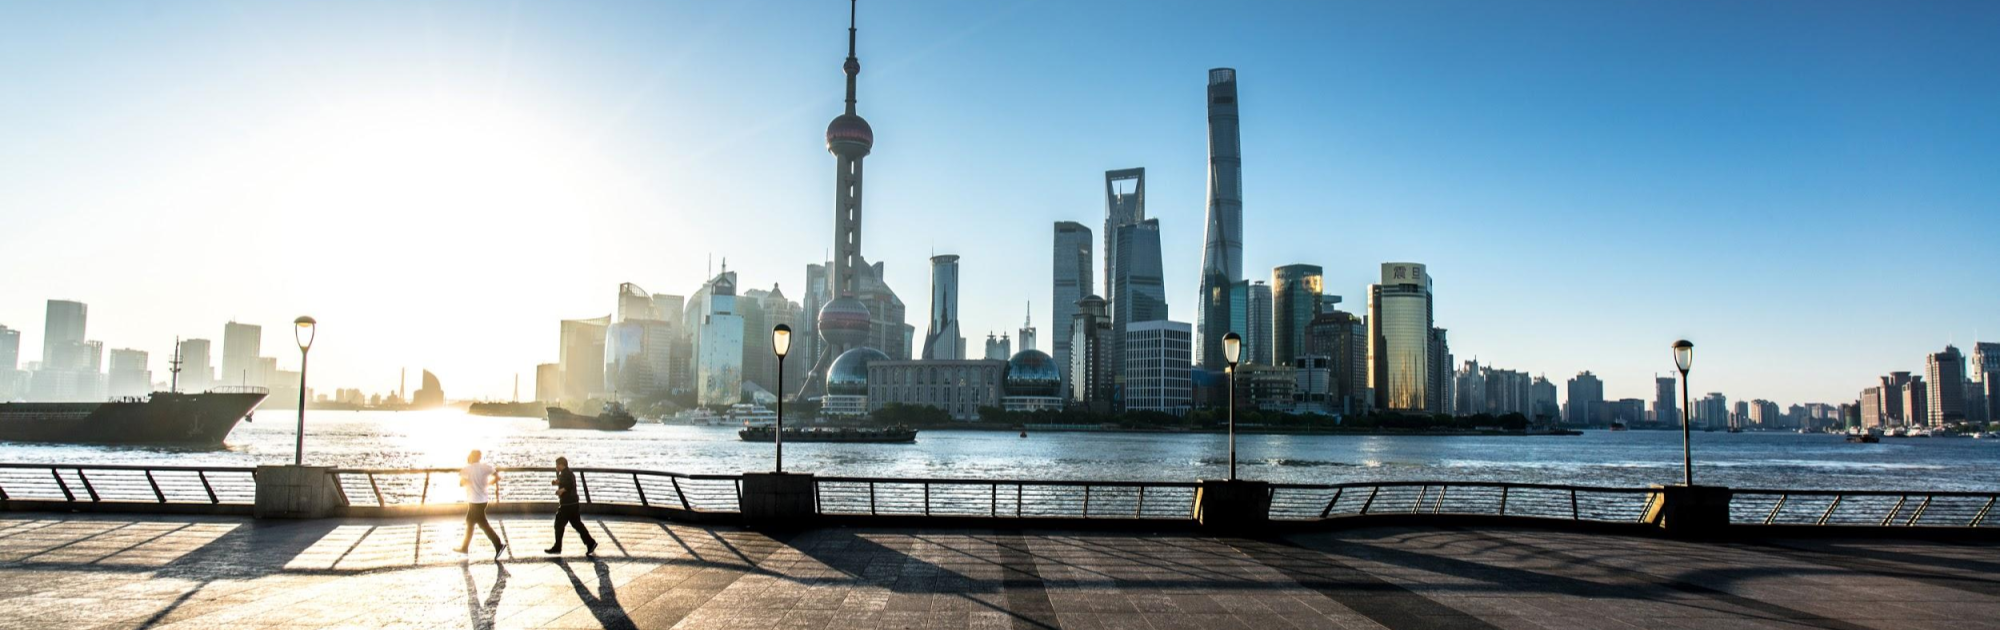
x=847, y=383
x=1033, y=382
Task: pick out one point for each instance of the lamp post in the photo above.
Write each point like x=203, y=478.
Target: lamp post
x=1232, y=347
x=781, y=344
x=1684, y=359
x=304, y=330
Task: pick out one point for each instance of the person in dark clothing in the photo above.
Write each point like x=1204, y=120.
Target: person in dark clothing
x=567, y=511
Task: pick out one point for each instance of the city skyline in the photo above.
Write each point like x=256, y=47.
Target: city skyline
x=282, y=246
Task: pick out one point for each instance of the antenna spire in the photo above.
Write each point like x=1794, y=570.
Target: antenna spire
x=853, y=65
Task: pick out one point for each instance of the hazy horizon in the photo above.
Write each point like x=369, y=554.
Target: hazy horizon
x=1805, y=191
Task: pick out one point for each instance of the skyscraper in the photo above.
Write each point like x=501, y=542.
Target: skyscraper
x=197, y=365
x=1542, y=400
x=128, y=375
x=1124, y=204
x=1250, y=317
x=1027, y=333
x=720, y=373
x=1090, y=354
x=10, y=358
x=1916, y=401
x=1222, y=249
x=944, y=340
x=1295, y=295
x=1157, y=360
x=1399, y=338
x=63, y=329
x=241, y=345
x=1343, y=337
x=1946, y=398
x=1585, y=403
x=580, y=355
x=1665, y=409
x=1072, y=281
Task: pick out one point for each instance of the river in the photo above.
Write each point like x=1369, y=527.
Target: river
x=1629, y=458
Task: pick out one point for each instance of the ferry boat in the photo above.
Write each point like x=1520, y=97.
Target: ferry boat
x=613, y=417
x=696, y=418
x=888, y=435
x=751, y=415
x=161, y=418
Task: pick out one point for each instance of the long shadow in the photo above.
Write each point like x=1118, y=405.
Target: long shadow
x=869, y=562
x=482, y=613
x=604, y=604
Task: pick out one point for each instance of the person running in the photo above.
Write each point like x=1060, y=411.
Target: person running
x=568, y=512
x=478, y=478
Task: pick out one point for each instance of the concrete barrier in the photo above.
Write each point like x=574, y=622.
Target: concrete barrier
x=1233, y=505
x=297, y=492
x=779, y=500
x=1689, y=511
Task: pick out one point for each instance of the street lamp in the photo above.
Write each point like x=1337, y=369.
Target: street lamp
x=1684, y=359
x=1232, y=347
x=304, y=331
x=781, y=344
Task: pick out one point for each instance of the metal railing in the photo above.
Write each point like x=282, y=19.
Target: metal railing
x=875, y=496
x=1863, y=508
x=392, y=487
x=1313, y=502
x=186, y=485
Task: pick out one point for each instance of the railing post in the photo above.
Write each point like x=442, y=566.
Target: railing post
x=871, y=498
x=1140, y=512
x=1575, y=513
x=1329, y=502
x=1830, y=508
x=1976, y=519
x=424, y=497
x=378, y=490
x=1503, y=500
x=1893, y=511
x=641, y=489
x=584, y=481
x=1378, y=490
x=212, y=500
x=1773, y=517
x=1919, y=513
x=86, y=485
x=161, y=496
x=927, y=498
x=993, y=511
x=1086, y=500
x=1017, y=500
x=67, y=495
x=683, y=495
x=1418, y=504
x=1437, y=507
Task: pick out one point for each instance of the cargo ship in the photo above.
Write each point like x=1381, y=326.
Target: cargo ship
x=614, y=417
x=890, y=435
x=162, y=418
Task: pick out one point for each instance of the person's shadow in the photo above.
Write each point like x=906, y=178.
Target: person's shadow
x=483, y=613
x=604, y=604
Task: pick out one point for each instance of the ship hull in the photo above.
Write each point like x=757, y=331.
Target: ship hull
x=894, y=436
x=560, y=418
x=164, y=419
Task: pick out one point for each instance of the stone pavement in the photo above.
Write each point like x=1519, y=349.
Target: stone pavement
x=78, y=571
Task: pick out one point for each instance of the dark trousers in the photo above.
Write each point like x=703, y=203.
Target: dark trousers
x=572, y=516
x=475, y=513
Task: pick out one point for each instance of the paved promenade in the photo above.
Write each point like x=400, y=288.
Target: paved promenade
x=64, y=571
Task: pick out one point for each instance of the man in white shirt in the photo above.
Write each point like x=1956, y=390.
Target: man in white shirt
x=478, y=478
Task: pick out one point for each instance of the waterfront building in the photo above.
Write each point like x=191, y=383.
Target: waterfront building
x=430, y=393
x=1156, y=362
x=958, y=386
x=1139, y=285
x=1976, y=409
x=548, y=382
x=1033, y=382
x=1871, y=408
x=1542, y=397
x=1313, y=391
x=1250, y=317
x=129, y=375
x=241, y=345
x=638, y=346
x=1400, y=365
x=762, y=311
x=1893, y=397
x=1712, y=411
x=847, y=383
x=1295, y=295
x=1343, y=337
x=634, y=303
x=197, y=366
x=1469, y=390
x=1945, y=372
x=1764, y=414
x=1439, y=393
x=580, y=353
x=1090, y=355
x=1027, y=336
x=808, y=348
x=944, y=341
x=1626, y=411
x=64, y=327
x=999, y=348
x=1985, y=362
x=1916, y=401
x=719, y=372
x=1266, y=387
x=1739, y=414
x=1666, y=409
x=1072, y=282
x=1222, y=240
x=669, y=308
x=10, y=359
x=1585, y=401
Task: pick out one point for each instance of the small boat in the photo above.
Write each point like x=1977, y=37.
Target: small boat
x=614, y=417
x=1618, y=426
x=1864, y=438
x=750, y=415
x=889, y=435
x=1735, y=429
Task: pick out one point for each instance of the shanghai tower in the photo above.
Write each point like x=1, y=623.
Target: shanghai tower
x=1222, y=249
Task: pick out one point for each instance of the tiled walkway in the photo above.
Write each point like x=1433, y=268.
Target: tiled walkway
x=61, y=571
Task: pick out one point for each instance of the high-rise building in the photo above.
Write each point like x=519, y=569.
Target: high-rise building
x=944, y=341
x=1124, y=204
x=1871, y=408
x=1222, y=249
x=1585, y=401
x=1295, y=295
x=1893, y=396
x=1072, y=282
x=1138, y=287
x=580, y=354
x=1438, y=392
x=1157, y=360
x=1399, y=338
x=1543, y=401
x=548, y=382
x=1343, y=337
x=1985, y=362
x=1469, y=390
x=1027, y=336
x=197, y=365
x=1916, y=401
x=720, y=371
x=1665, y=408
x=1090, y=354
x=63, y=330
x=10, y=359
x=128, y=375
x=1712, y=411
x=1250, y=317
x=1946, y=399
x=763, y=311
x=242, y=344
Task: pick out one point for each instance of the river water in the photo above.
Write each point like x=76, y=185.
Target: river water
x=1629, y=458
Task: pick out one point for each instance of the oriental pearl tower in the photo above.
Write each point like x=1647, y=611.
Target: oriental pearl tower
x=845, y=321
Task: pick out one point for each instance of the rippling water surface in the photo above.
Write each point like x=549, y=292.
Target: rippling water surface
x=441, y=438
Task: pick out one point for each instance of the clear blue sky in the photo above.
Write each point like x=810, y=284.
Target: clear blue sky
x=1810, y=191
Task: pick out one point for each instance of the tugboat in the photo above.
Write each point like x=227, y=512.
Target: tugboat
x=614, y=417
x=163, y=418
x=888, y=435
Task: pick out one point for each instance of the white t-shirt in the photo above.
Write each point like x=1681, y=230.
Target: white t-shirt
x=476, y=478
